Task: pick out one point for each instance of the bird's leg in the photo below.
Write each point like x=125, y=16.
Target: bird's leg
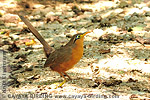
x=63, y=81
x=67, y=75
x=61, y=73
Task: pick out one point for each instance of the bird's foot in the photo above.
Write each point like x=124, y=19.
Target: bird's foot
x=57, y=85
x=62, y=83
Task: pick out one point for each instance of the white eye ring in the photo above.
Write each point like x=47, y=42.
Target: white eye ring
x=78, y=37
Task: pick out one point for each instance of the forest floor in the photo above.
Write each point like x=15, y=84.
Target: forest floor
x=114, y=64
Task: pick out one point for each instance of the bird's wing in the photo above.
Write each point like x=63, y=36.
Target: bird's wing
x=58, y=56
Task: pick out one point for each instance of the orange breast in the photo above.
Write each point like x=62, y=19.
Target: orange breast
x=77, y=53
x=76, y=56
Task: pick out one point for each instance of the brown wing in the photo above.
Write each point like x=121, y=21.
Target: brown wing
x=58, y=56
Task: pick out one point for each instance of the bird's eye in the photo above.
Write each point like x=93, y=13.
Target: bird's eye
x=78, y=37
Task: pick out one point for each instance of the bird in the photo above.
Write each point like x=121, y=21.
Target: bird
x=64, y=58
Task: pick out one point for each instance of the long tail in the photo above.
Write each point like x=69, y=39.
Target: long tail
x=47, y=48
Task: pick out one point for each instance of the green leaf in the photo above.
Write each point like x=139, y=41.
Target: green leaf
x=121, y=72
x=2, y=32
x=137, y=28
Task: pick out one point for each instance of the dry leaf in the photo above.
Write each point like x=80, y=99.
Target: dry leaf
x=102, y=51
x=32, y=42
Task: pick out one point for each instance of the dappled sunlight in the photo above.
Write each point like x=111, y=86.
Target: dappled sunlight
x=114, y=61
x=8, y=4
x=112, y=12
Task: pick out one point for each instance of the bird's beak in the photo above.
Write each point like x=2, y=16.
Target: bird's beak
x=87, y=33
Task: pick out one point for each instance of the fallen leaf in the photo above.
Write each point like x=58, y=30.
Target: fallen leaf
x=137, y=28
x=133, y=96
x=121, y=72
x=32, y=42
x=112, y=82
x=7, y=34
x=102, y=51
x=13, y=47
x=142, y=40
x=131, y=80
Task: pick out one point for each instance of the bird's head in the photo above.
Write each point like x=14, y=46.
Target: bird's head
x=78, y=38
